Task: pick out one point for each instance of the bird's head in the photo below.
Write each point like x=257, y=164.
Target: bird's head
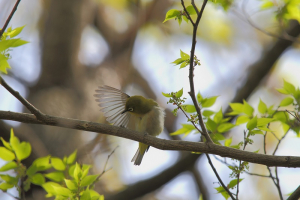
x=139, y=105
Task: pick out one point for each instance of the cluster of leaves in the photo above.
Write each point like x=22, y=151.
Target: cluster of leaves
x=232, y=184
x=68, y=180
x=285, y=9
x=7, y=42
x=175, y=99
x=180, y=14
x=184, y=60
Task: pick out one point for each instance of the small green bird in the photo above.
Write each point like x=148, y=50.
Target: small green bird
x=136, y=113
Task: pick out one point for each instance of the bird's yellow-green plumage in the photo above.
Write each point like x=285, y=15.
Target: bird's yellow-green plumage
x=136, y=113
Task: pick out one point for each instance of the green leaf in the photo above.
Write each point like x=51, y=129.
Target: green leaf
x=285, y=127
x=262, y=107
x=183, y=65
x=6, y=144
x=88, y=180
x=242, y=119
x=40, y=164
x=233, y=183
x=3, y=64
x=186, y=129
x=282, y=91
x=71, y=159
x=48, y=186
x=218, y=116
x=252, y=123
x=56, y=176
x=58, y=164
x=281, y=116
x=16, y=32
x=286, y=101
x=254, y=132
x=290, y=88
x=77, y=172
x=9, y=179
x=70, y=184
x=189, y=108
x=267, y=5
x=237, y=107
x=179, y=19
x=211, y=125
x=179, y=93
x=178, y=61
x=227, y=142
x=264, y=121
x=225, y=127
x=8, y=166
x=217, y=136
x=184, y=56
x=166, y=94
x=173, y=13
x=207, y=113
x=220, y=189
x=185, y=18
x=208, y=102
x=248, y=110
x=264, y=128
x=85, y=195
x=270, y=110
x=37, y=179
x=190, y=9
x=199, y=97
x=59, y=190
x=5, y=186
x=23, y=150
x=6, y=154
x=71, y=170
x=85, y=170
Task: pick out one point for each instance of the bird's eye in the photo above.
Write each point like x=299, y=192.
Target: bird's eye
x=130, y=109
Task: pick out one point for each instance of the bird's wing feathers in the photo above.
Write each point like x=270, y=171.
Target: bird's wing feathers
x=112, y=102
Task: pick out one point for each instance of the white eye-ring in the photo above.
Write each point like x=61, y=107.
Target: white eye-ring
x=130, y=109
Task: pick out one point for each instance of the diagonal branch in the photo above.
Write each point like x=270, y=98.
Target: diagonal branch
x=28, y=105
x=9, y=17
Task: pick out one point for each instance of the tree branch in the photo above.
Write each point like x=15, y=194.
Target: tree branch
x=191, y=75
x=269, y=160
x=9, y=18
x=295, y=195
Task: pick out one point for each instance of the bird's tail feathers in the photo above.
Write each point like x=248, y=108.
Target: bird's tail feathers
x=138, y=156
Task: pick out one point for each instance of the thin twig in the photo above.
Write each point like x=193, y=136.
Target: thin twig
x=218, y=177
x=294, y=115
x=195, y=7
x=39, y=115
x=9, y=18
x=189, y=119
x=284, y=36
x=278, y=184
x=186, y=12
x=276, y=148
x=191, y=75
x=104, y=169
x=249, y=173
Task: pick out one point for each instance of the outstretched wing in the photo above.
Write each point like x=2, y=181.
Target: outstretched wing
x=112, y=102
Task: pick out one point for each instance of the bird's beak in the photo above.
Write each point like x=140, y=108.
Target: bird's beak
x=124, y=112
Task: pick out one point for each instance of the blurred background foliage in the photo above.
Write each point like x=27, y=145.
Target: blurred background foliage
x=76, y=45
